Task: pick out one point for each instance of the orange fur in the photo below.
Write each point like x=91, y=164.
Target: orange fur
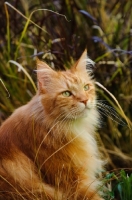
x=47, y=147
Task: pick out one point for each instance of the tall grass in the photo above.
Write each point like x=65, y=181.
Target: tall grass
x=104, y=28
x=122, y=185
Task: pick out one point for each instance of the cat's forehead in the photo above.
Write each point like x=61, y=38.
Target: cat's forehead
x=71, y=77
x=72, y=80
x=74, y=77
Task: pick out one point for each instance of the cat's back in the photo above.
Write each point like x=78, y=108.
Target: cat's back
x=9, y=129
x=13, y=120
x=20, y=116
x=18, y=130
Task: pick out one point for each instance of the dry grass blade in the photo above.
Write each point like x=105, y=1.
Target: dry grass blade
x=58, y=151
x=25, y=72
x=12, y=187
x=5, y=88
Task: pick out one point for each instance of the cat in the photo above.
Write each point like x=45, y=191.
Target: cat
x=48, y=149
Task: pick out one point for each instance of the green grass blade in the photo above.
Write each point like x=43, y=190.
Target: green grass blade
x=8, y=31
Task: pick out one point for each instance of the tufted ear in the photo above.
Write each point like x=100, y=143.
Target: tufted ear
x=44, y=74
x=84, y=63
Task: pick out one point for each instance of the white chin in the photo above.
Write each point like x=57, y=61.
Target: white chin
x=83, y=114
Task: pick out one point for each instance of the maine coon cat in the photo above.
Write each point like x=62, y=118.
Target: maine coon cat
x=48, y=148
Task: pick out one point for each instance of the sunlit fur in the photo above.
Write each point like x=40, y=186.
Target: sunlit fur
x=48, y=148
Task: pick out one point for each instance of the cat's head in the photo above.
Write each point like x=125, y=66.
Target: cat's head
x=67, y=94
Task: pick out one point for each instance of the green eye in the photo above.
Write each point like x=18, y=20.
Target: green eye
x=66, y=93
x=86, y=87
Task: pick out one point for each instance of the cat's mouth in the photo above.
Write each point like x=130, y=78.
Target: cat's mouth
x=83, y=110
x=79, y=113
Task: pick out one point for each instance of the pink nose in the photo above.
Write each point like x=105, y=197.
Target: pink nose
x=84, y=101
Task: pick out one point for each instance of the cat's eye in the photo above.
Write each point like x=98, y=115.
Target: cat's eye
x=66, y=93
x=86, y=87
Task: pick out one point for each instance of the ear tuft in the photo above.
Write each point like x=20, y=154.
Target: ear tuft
x=84, y=63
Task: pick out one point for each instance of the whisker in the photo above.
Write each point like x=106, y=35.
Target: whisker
x=111, y=114
x=63, y=122
x=108, y=111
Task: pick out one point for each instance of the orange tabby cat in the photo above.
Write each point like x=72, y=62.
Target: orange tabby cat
x=47, y=147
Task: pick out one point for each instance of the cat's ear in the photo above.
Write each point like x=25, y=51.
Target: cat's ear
x=84, y=63
x=44, y=74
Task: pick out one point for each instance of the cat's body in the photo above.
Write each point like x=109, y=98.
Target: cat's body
x=47, y=147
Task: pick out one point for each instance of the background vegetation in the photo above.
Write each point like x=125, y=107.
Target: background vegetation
x=105, y=29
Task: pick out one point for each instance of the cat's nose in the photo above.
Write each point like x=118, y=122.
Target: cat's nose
x=84, y=101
